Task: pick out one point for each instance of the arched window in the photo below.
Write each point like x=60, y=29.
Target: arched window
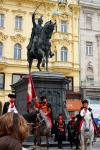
x=64, y=54
x=1, y=49
x=17, y=51
x=1, y=20
x=90, y=74
x=90, y=71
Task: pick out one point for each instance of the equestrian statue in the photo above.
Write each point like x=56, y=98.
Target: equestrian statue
x=39, y=46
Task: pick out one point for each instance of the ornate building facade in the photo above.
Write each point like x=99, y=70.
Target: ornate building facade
x=90, y=48
x=15, y=31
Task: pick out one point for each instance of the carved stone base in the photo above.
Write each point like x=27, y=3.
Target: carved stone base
x=53, y=85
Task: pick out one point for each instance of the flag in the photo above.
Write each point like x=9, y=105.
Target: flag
x=31, y=92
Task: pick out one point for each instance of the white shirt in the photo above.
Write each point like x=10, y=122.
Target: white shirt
x=13, y=109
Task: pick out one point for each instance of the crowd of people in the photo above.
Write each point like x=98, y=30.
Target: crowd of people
x=14, y=128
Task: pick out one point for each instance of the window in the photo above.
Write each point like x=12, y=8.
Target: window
x=63, y=26
x=1, y=20
x=69, y=85
x=1, y=49
x=2, y=80
x=17, y=51
x=62, y=1
x=89, y=48
x=64, y=54
x=88, y=21
x=18, y=22
x=94, y=100
x=16, y=77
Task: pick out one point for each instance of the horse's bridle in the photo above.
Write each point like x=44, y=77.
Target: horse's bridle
x=86, y=129
x=39, y=119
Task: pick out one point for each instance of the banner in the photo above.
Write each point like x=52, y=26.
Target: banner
x=31, y=92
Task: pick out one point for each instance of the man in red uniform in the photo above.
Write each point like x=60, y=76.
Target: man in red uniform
x=60, y=135
x=45, y=107
x=72, y=136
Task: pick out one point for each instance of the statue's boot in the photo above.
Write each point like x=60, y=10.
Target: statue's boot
x=51, y=54
x=43, y=63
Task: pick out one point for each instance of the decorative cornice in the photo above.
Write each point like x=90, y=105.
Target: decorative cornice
x=18, y=38
x=3, y=36
x=74, y=7
x=19, y=11
x=34, y=2
x=61, y=42
x=19, y=2
x=1, y=1
x=2, y=9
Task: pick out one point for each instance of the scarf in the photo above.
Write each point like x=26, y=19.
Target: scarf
x=12, y=103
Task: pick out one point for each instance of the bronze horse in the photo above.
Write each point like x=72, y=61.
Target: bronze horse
x=43, y=47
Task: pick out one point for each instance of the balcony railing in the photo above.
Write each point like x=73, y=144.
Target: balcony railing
x=92, y=84
x=61, y=35
x=7, y=61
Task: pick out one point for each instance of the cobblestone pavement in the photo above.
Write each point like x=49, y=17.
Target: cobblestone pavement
x=96, y=146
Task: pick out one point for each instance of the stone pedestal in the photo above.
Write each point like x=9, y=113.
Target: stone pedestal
x=53, y=85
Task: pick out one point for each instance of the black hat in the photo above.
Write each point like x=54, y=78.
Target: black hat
x=60, y=114
x=85, y=101
x=43, y=97
x=12, y=95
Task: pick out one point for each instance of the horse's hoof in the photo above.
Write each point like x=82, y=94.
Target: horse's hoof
x=48, y=145
x=51, y=55
x=43, y=65
x=39, y=68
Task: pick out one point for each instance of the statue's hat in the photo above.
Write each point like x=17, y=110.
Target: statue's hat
x=40, y=19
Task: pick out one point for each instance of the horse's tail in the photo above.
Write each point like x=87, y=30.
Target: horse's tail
x=48, y=124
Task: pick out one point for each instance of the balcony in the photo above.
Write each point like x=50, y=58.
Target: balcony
x=4, y=62
x=65, y=67
x=61, y=36
x=62, y=64
x=92, y=84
